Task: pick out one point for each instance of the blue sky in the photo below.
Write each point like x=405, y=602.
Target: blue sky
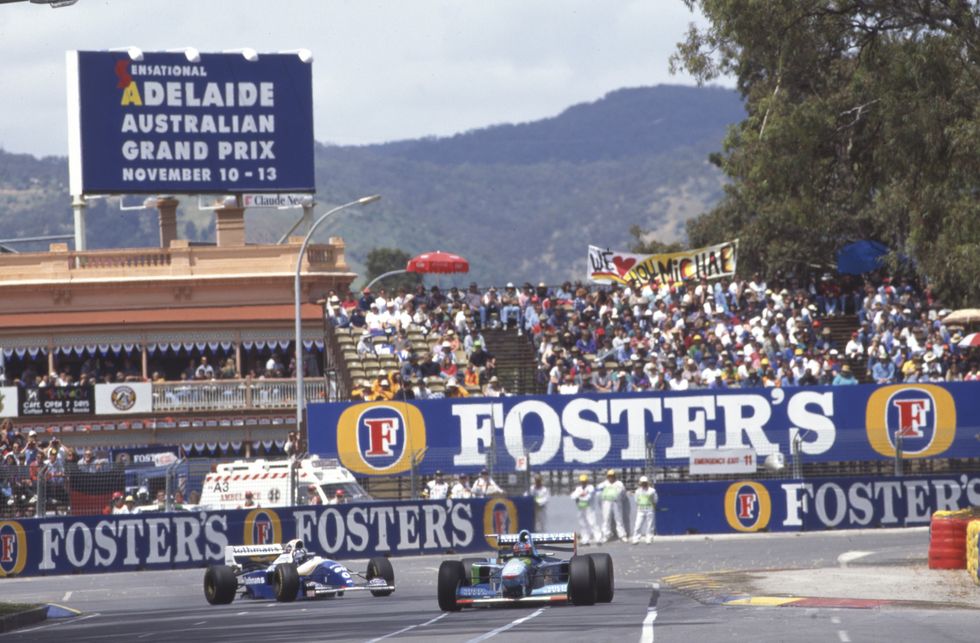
x=383, y=69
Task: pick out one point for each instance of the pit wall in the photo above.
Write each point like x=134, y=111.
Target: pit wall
x=65, y=544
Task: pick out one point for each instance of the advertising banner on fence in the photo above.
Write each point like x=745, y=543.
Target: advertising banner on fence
x=123, y=399
x=67, y=544
x=613, y=430
x=608, y=266
x=8, y=401
x=810, y=505
x=168, y=125
x=57, y=400
x=721, y=462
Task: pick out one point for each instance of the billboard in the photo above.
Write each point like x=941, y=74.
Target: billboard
x=123, y=399
x=810, y=505
x=130, y=542
x=165, y=125
x=826, y=424
x=57, y=401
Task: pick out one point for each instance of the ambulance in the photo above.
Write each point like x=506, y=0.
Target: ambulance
x=268, y=483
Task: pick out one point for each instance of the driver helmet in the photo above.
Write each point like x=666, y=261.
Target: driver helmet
x=523, y=546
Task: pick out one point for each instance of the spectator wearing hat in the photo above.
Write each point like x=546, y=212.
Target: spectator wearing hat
x=845, y=377
x=437, y=488
x=454, y=390
x=646, y=504
x=249, y=501
x=461, y=490
x=611, y=492
x=339, y=498
x=583, y=496
x=119, y=503
x=494, y=388
x=313, y=495
x=484, y=486
x=510, y=308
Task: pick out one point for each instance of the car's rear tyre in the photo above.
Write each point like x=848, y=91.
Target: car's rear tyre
x=603, y=577
x=468, y=564
x=581, y=581
x=285, y=582
x=381, y=568
x=452, y=575
x=220, y=584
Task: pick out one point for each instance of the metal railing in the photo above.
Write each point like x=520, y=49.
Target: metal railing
x=227, y=395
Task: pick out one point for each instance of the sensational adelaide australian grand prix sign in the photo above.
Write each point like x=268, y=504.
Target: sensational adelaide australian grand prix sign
x=599, y=431
x=165, y=125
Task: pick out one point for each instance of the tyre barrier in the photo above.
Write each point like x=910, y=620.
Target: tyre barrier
x=973, y=550
x=947, y=539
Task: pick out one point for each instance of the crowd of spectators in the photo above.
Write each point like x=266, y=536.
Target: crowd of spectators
x=720, y=334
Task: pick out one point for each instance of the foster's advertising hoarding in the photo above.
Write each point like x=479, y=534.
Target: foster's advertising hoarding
x=598, y=431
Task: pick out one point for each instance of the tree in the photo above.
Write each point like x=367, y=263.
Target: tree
x=862, y=124
x=645, y=244
x=382, y=260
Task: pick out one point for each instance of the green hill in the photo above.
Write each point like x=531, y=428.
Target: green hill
x=520, y=201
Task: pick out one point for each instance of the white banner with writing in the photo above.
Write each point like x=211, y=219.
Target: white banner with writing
x=122, y=399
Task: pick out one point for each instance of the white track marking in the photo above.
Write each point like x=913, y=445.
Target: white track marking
x=60, y=621
x=504, y=628
x=410, y=627
x=646, y=630
x=842, y=635
x=851, y=556
x=835, y=620
x=66, y=596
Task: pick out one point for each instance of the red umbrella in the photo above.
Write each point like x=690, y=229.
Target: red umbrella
x=970, y=341
x=442, y=262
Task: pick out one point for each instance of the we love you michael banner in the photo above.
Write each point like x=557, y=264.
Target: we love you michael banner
x=609, y=266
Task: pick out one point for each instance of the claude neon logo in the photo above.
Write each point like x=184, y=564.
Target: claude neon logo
x=922, y=416
x=380, y=437
x=748, y=506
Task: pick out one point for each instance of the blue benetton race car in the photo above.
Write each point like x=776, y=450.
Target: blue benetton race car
x=521, y=572
x=294, y=573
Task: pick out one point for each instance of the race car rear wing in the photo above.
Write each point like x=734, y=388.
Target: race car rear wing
x=559, y=538
x=234, y=552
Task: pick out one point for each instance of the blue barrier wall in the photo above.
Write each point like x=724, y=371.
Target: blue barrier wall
x=829, y=424
x=68, y=544
x=811, y=504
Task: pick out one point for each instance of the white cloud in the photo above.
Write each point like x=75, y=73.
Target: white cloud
x=383, y=70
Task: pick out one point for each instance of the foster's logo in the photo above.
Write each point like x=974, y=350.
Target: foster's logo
x=13, y=548
x=380, y=437
x=921, y=416
x=499, y=517
x=262, y=527
x=748, y=506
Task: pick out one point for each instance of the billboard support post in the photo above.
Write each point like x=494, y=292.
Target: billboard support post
x=78, y=209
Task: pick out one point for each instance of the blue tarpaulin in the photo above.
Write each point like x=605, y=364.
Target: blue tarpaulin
x=860, y=257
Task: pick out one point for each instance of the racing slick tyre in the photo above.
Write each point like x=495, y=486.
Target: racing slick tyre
x=452, y=575
x=468, y=568
x=220, y=584
x=603, y=577
x=581, y=581
x=285, y=581
x=380, y=567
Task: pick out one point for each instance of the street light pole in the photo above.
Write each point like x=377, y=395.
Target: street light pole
x=300, y=391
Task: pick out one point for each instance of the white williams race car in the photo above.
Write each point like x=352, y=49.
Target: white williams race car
x=294, y=573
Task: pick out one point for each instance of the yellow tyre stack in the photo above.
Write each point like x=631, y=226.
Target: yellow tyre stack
x=973, y=550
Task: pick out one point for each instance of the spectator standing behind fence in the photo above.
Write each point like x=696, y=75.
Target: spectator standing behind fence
x=437, y=488
x=540, y=494
x=462, y=488
x=611, y=495
x=484, y=486
x=646, y=506
x=583, y=496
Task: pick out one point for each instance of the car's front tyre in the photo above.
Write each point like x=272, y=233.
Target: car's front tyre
x=220, y=584
x=452, y=576
x=380, y=567
x=603, y=577
x=581, y=581
x=285, y=582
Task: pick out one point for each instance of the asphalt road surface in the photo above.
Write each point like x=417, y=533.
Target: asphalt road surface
x=170, y=606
